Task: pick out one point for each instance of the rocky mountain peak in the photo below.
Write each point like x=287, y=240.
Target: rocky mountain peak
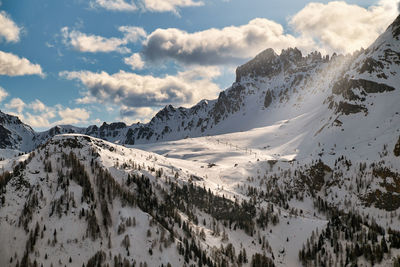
x=264, y=64
x=291, y=54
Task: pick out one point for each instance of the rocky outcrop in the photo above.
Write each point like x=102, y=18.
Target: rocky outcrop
x=268, y=99
x=345, y=88
x=396, y=150
x=228, y=102
x=264, y=64
x=5, y=135
x=347, y=108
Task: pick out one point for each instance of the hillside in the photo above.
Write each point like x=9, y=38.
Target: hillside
x=296, y=164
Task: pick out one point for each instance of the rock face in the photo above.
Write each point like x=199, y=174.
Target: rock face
x=396, y=150
x=268, y=99
x=5, y=136
x=372, y=71
x=264, y=64
x=16, y=135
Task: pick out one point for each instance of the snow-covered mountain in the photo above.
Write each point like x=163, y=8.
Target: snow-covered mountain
x=266, y=89
x=297, y=163
x=15, y=135
x=80, y=200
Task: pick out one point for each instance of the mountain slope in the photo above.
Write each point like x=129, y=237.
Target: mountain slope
x=15, y=135
x=76, y=197
x=310, y=175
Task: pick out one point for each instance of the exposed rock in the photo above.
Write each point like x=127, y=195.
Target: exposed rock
x=396, y=150
x=268, y=99
x=263, y=65
x=389, y=199
x=347, y=108
x=130, y=139
x=371, y=65
x=5, y=134
x=344, y=87
x=228, y=102
x=396, y=28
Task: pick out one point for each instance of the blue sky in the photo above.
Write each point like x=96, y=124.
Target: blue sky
x=83, y=62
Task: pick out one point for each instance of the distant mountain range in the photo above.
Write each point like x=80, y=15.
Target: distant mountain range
x=263, y=85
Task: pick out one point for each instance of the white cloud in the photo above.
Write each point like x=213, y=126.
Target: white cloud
x=16, y=104
x=146, y=5
x=37, y=121
x=131, y=115
x=38, y=106
x=341, y=27
x=13, y=65
x=219, y=46
x=115, y=5
x=133, y=90
x=73, y=116
x=94, y=43
x=132, y=34
x=8, y=29
x=3, y=94
x=135, y=61
x=169, y=5
x=38, y=115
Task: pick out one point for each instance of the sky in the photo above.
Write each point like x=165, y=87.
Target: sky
x=83, y=62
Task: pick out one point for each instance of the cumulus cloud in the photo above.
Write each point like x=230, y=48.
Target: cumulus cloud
x=37, y=121
x=93, y=43
x=73, y=116
x=133, y=90
x=115, y=5
x=219, y=46
x=3, y=94
x=16, y=104
x=169, y=5
x=41, y=116
x=132, y=34
x=8, y=29
x=135, y=61
x=338, y=26
x=131, y=115
x=13, y=65
x=38, y=106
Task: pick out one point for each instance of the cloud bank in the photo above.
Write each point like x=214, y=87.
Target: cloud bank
x=133, y=90
x=228, y=45
x=338, y=26
x=38, y=115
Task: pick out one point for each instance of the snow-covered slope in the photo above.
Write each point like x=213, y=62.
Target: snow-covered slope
x=297, y=163
x=77, y=196
x=16, y=135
